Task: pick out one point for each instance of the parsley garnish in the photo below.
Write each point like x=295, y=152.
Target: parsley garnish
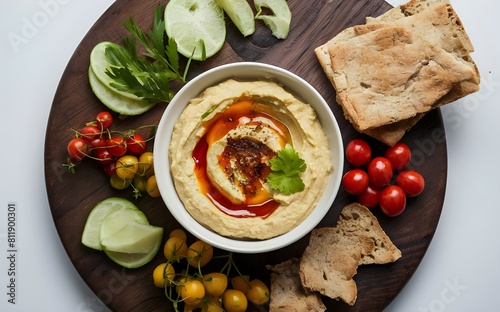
x=286, y=168
x=147, y=76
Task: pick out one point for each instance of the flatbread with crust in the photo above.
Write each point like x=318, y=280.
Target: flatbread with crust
x=333, y=255
x=287, y=293
x=391, y=74
x=435, y=67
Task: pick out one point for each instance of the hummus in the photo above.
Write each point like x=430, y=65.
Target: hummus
x=219, y=153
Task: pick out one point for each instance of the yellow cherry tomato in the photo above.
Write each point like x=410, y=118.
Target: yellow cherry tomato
x=180, y=233
x=126, y=167
x=193, y=292
x=175, y=249
x=152, y=187
x=214, y=304
x=145, y=166
x=163, y=274
x=180, y=283
x=234, y=300
x=215, y=283
x=118, y=183
x=258, y=293
x=241, y=283
x=139, y=183
x=199, y=253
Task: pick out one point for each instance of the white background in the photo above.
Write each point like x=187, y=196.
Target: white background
x=460, y=271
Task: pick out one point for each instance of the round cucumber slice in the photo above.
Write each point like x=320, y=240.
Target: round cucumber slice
x=190, y=22
x=133, y=238
x=99, y=64
x=92, y=228
x=116, y=220
x=116, y=101
x=133, y=260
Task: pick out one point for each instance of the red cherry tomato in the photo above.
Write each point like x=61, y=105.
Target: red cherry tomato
x=117, y=146
x=110, y=169
x=358, y=152
x=77, y=149
x=98, y=143
x=392, y=200
x=369, y=198
x=104, y=156
x=411, y=182
x=399, y=155
x=90, y=133
x=355, y=181
x=136, y=144
x=380, y=171
x=105, y=119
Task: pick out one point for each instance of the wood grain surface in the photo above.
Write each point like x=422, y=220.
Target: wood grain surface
x=72, y=196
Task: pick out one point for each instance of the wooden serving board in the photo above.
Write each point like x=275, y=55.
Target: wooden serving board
x=71, y=196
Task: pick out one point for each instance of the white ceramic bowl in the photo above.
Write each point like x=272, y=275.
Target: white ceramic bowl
x=245, y=70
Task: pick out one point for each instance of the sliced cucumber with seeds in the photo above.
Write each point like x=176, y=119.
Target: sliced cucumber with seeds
x=196, y=25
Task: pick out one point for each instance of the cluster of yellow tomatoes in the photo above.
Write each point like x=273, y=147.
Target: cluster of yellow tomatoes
x=136, y=172
x=199, y=291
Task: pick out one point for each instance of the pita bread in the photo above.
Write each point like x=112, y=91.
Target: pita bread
x=433, y=28
x=333, y=255
x=287, y=293
x=392, y=74
x=329, y=264
x=357, y=220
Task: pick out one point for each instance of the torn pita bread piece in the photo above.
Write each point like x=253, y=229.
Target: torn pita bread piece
x=329, y=264
x=287, y=293
x=333, y=255
x=389, y=72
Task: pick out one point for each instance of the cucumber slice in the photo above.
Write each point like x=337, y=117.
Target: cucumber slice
x=194, y=25
x=133, y=260
x=133, y=238
x=116, y=220
x=279, y=22
x=116, y=101
x=92, y=228
x=241, y=14
x=99, y=64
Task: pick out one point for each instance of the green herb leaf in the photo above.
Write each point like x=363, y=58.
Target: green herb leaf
x=286, y=168
x=172, y=55
x=147, y=76
x=138, y=76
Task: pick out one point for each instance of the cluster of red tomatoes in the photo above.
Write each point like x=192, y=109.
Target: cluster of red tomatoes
x=372, y=179
x=122, y=154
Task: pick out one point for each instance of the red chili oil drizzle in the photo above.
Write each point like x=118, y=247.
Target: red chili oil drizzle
x=258, y=203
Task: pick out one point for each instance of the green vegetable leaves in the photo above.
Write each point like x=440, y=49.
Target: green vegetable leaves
x=286, y=169
x=147, y=76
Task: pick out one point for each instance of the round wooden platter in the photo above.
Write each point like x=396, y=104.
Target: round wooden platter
x=71, y=196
